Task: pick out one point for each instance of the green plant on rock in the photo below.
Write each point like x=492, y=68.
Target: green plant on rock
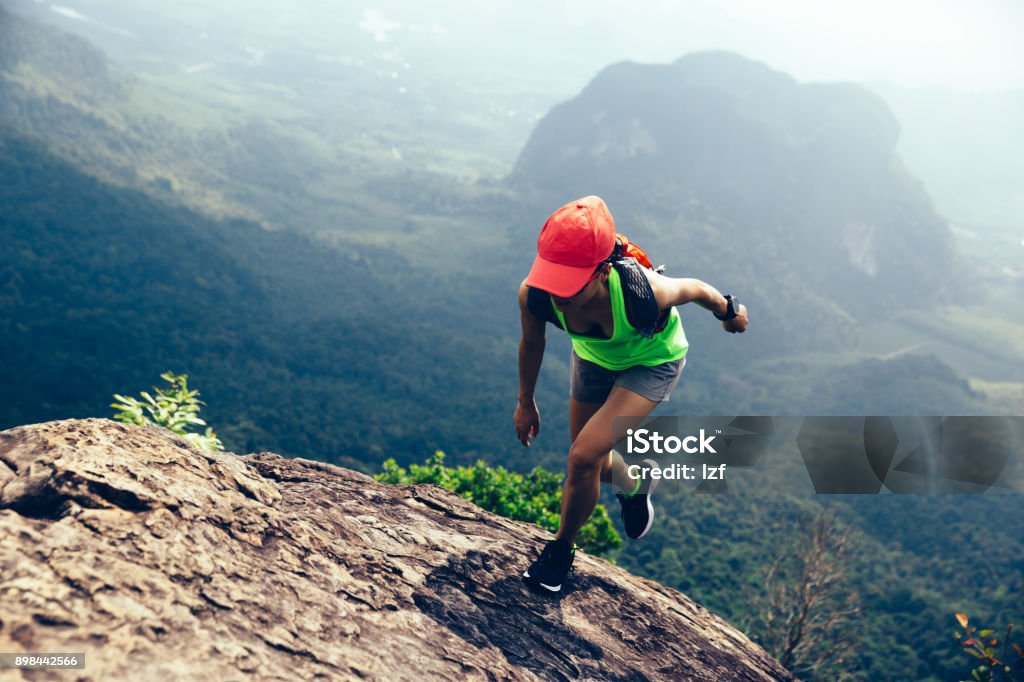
x=534, y=497
x=176, y=409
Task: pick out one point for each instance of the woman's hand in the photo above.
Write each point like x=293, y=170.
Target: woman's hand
x=738, y=323
x=527, y=421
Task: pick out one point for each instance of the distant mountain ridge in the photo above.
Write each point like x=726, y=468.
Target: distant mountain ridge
x=81, y=65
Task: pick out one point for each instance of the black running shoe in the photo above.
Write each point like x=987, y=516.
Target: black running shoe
x=637, y=511
x=547, y=573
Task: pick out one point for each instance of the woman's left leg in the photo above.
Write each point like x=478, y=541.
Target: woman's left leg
x=590, y=456
x=613, y=468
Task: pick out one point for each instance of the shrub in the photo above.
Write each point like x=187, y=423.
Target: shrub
x=534, y=497
x=176, y=409
x=995, y=664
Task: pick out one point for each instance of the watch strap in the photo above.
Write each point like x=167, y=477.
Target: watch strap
x=732, y=309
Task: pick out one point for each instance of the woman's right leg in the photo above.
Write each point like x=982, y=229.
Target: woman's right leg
x=593, y=384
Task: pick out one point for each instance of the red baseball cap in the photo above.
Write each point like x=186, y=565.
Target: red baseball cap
x=572, y=242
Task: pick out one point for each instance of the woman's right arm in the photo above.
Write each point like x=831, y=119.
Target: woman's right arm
x=531, y=354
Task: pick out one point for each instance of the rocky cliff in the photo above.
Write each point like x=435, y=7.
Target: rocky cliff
x=157, y=559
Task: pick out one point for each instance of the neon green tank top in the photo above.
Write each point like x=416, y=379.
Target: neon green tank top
x=627, y=347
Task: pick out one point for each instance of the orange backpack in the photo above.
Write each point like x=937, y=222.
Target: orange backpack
x=627, y=249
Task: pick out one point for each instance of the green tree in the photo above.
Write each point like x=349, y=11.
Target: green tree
x=176, y=409
x=533, y=497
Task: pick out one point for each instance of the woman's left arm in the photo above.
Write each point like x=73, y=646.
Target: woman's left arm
x=673, y=291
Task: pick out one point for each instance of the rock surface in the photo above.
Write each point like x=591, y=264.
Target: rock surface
x=161, y=561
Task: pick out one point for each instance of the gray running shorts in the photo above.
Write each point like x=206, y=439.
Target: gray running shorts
x=591, y=383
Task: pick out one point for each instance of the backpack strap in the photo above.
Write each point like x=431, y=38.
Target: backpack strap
x=638, y=296
x=538, y=302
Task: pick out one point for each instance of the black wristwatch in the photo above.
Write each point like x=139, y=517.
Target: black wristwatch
x=732, y=309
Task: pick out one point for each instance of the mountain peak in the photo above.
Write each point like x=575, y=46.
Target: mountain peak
x=722, y=65
x=153, y=557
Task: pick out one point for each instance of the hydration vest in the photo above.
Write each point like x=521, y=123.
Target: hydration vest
x=642, y=310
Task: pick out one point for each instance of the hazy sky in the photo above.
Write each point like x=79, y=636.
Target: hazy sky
x=969, y=45
x=966, y=44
